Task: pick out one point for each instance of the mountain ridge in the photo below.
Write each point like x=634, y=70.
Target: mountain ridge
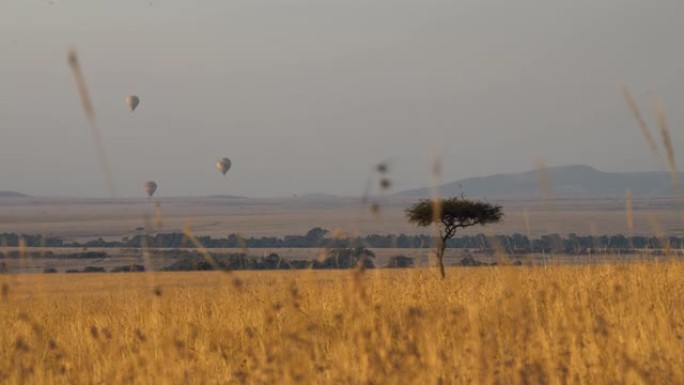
x=571, y=181
x=12, y=194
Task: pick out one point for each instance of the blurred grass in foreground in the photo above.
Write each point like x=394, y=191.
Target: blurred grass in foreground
x=589, y=324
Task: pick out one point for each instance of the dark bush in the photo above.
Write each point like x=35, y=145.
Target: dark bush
x=470, y=261
x=348, y=258
x=94, y=269
x=189, y=264
x=271, y=262
x=400, y=261
x=87, y=255
x=128, y=269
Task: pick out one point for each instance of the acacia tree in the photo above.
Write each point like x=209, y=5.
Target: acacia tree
x=449, y=215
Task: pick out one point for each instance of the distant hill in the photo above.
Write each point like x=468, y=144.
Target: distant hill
x=564, y=181
x=318, y=196
x=226, y=197
x=12, y=194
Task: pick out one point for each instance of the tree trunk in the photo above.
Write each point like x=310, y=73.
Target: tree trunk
x=440, y=257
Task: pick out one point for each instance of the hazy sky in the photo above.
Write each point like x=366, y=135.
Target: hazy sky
x=308, y=95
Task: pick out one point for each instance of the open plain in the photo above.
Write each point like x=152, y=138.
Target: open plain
x=85, y=219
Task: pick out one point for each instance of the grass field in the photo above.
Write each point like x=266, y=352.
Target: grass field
x=587, y=324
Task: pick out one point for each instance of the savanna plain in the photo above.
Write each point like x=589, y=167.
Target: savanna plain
x=584, y=324
x=599, y=323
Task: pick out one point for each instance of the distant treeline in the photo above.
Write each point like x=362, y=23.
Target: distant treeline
x=318, y=238
x=336, y=259
x=185, y=260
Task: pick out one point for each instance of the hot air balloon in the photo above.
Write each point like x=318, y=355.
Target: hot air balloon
x=223, y=165
x=150, y=188
x=132, y=102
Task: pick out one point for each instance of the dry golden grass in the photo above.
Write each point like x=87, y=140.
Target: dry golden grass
x=596, y=324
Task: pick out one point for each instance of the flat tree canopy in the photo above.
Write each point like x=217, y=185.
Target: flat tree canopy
x=451, y=214
x=454, y=213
